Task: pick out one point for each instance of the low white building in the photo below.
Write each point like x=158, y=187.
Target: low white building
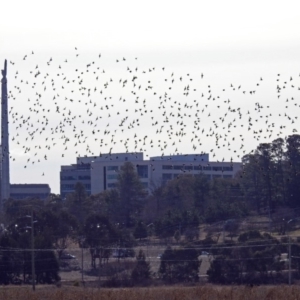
x=100, y=173
x=29, y=190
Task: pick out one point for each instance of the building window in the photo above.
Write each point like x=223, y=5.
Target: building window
x=217, y=168
x=87, y=186
x=189, y=168
x=20, y=196
x=112, y=168
x=111, y=185
x=166, y=176
x=207, y=168
x=216, y=176
x=227, y=176
x=67, y=187
x=230, y=169
x=142, y=171
x=198, y=168
x=112, y=176
x=178, y=167
x=167, y=167
x=68, y=178
x=84, y=177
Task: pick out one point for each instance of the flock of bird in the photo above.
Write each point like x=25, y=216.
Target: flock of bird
x=78, y=108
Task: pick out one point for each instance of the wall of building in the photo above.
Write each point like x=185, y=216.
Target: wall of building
x=23, y=191
x=70, y=175
x=153, y=172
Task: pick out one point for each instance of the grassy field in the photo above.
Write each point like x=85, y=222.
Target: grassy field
x=161, y=293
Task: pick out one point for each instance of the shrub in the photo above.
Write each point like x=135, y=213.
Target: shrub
x=141, y=271
x=179, y=265
x=140, y=231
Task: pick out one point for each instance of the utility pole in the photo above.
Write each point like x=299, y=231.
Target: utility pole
x=82, y=267
x=32, y=243
x=290, y=252
x=290, y=262
x=270, y=220
x=224, y=225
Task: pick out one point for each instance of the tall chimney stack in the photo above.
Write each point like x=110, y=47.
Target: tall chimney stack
x=5, y=183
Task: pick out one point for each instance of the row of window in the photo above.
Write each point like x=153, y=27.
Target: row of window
x=64, y=194
x=70, y=187
x=142, y=171
x=169, y=176
x=112, y=168
x=114, y=185
x=205, y=168
x=73, y=177
x=112, y=176
x=226, y=176
x=18, y=196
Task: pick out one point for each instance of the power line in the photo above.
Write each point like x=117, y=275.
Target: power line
x=158, y=248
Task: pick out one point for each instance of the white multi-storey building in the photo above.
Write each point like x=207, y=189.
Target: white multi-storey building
x=100, y=173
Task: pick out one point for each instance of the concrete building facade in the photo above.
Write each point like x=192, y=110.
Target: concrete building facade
x=79, y=172
x=101, y=173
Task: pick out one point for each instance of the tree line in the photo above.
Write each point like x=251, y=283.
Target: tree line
x=270, y=175
x=121, y=217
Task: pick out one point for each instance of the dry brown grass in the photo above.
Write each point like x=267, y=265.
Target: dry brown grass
x=161, y=293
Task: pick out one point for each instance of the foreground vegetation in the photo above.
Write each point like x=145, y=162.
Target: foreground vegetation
x=163, y=293
x=190, y=213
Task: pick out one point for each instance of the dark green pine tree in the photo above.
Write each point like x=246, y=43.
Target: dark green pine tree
x=77, y=203
x=140, y=231
x=131, y=193
x=142, y=270
x=293, y=170
x=179, y=265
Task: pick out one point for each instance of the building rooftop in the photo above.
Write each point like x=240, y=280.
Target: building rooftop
x=111, y=157
x=183, y=157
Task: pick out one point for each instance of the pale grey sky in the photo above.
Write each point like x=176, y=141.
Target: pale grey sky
x=230, y=42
